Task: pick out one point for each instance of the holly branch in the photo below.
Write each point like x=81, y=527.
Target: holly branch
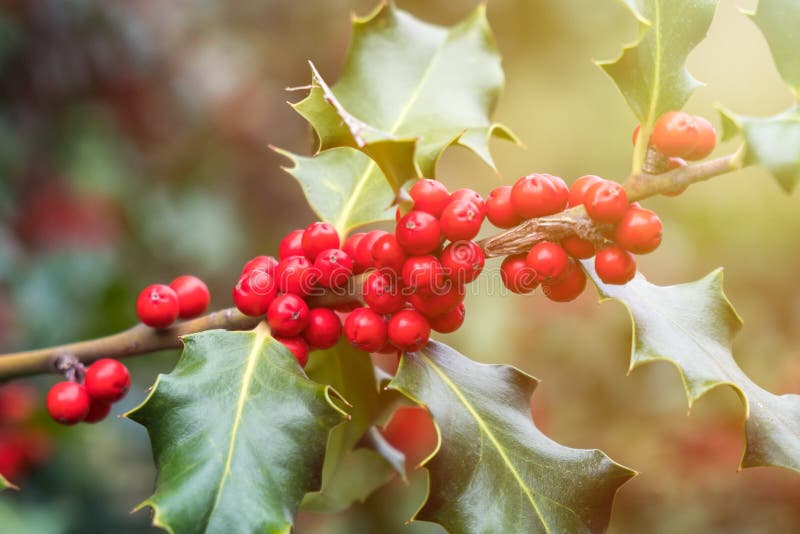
x=141, y=339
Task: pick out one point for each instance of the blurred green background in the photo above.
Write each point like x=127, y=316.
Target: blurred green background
x=133, y=148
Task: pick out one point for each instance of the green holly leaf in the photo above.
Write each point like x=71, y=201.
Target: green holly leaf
x=651, y=73
x=408, y=91
x=779, y=21
x=692, y=326
x=495, y=471
x=770, y=142
x=348, y=371
x=5, y=484
x=238, y=434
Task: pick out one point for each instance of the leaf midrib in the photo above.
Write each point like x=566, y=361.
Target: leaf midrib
x=497, y=445
x=244, y=391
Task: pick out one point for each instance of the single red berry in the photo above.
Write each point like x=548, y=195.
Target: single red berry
x=499, y=210
x=706, y=139
x=334, y=268
x=366, y=329
x=68, y=403
x=291, y=245
x=363, y=258
x=423, y=273
x=517, y=276
x=440, y=302
x=606, y=202
x=569, y=287
x=18, y=402
x=578, y=190
x=450, y=321
x=107, y=380
x=472, y=196
x=350, y=246
x=639, y=231
x=324, y=328
x=411, y=430
x=462, y=261
x=537, y=195
x=461, y=220
x=254, y=292
x=409, y=330
x=430, y=196
x=317, y=237
x=615, y=265
x=419, y=233
x=267, y=264
x=578, y=248
x=387, y=254
x=297, y=275
x=383, y=293
x=297, y=346
x=287, y=315
x=548, y=260
x=635, y=135
x=675, y=134
x=193, y=296
x=98, y=410
x=675, y=163
x=157, y=306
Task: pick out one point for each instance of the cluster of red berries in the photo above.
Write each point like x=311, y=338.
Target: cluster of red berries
x=554, y=266
x=411, y=283
x=676, y=134
x=161, y=305
x=23, y=444
x=105, y=382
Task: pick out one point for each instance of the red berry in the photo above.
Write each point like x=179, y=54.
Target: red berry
x=639, y=231
x=254, y=292
x=423, y=273
x=411, y=431
x=350, y=246
x=606, y=202
x=499, y=210
x=537, y=195
x=548, y=260
x=107, y=380
x=382, y=293
x=296, y=275
x=472, y=196
x=324, y=328
x=409, y=330
x=287, y=315
x=334, y=267
x=706, y=139
x=569, y=287
x=419, y=233
x=517, y=276
x=291, y=245
x=462, y=261
x=461, y=220
x=615, y=265
x=366, y=330
x=157, y=306
x=193, y=296
x=440, y=302
x=577, y=193
x=68, y=403
x=430, y=196
x=450, y=321
x=675, y=134
x=387, y=254
x=297, y=346
x=577, y=247
x=17, y=403
x=363, y=258
x=98, y=410
x=267, y=264
x=317, y=237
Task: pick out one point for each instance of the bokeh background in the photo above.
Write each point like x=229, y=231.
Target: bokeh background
x=133, y=147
